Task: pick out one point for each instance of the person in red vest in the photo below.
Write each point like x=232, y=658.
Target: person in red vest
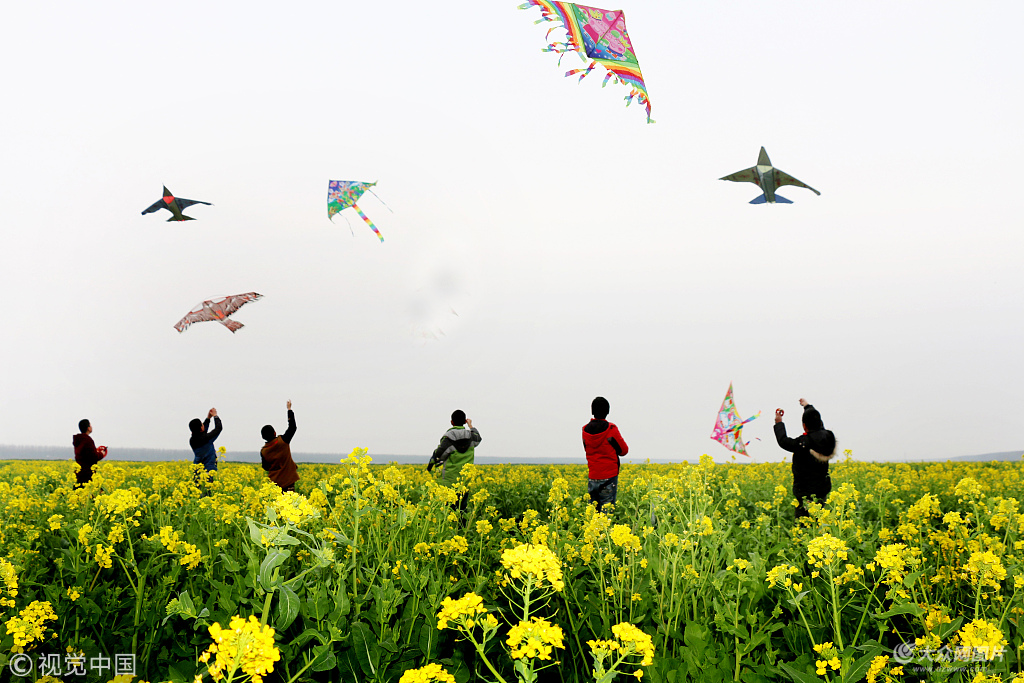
x=86, y=452
x=276, y=455
x=604, y=446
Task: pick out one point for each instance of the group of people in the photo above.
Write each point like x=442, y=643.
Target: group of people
x=602, y=443
x=275, y=455
x=604, y=448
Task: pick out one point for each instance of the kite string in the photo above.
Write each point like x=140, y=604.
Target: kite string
x=379, y=200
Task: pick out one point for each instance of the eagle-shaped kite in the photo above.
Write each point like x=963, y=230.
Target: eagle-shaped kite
x=217, y=309
x=729, y=426
x=600, y=36
x=175, y=205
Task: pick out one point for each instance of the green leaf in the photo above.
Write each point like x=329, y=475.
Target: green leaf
x=799, y=676
x=229, y=563
x=287, y=607
x=272, y=561
x=428, y=640
x=308, y=635
x=175, y=675
x=909, y=608
x=255, y=533
x=324, y=659
x=365, y=649
x=860, y=667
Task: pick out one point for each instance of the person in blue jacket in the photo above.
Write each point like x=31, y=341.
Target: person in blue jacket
x=202, y=440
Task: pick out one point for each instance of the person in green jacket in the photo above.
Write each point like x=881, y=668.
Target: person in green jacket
x=456, y=450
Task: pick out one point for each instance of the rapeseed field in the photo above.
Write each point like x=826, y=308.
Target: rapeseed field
x=369, y=573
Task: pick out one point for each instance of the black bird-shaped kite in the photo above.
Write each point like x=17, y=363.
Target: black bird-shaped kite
x=175, y=205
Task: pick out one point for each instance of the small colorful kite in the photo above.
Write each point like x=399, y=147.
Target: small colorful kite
x=175, y=205
x=600, y=35
x=217, y=309
x=342, y=194
x=729, y=427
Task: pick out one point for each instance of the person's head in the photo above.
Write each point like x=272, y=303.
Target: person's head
x=84, y=426
x=196, y=426
x=458, y=418
x=599, y=408
x=812, y=420
x=268, y=433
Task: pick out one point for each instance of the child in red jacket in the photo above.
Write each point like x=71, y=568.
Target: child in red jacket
x=604, y=446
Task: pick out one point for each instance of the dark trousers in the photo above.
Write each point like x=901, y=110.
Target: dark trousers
x=819, y=496
x=603, y=491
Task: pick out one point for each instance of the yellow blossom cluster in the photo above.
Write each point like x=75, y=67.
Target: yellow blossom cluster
x=983, y=637
x=30, y=624
x=171, y=539
x=534, y=639
x=294, y=508
x=535, y=563
x=463, y=611
x=427, y=674
x=246, y=644
x=623, y=537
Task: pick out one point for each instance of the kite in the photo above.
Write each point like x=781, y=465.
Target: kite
x=768, y=178
x=343, y=194
x=217, y=309
x=729, y=427
x=175, y=205
x=601, y=36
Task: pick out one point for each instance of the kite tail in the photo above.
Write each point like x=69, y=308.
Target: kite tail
x=584, y=74
x=368, y=222
x=232, y=325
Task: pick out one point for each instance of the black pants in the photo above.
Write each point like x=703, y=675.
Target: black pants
x=819, y=496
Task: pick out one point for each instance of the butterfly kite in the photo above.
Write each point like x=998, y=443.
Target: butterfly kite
x=217, y=309
x=175, y=205
x=343, y=194
x=600, y=35
x=729, y=427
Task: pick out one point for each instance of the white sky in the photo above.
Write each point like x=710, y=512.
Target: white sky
x=584, y=251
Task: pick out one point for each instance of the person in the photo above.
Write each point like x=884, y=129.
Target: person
x=456, y=450
x=202, y=440
x=811, y=453
x=86, y=453
x=603, y=445
x=276, y=454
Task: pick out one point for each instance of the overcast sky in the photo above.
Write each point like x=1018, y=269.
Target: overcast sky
x=546, y=244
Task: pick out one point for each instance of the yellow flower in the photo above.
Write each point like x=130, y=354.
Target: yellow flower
x=983, y=637
x=245, y=645
x=483, y=527
x=635, y=641
x=461, y=612
x=877, y=664
x=534, y=639
x=535, y=563
x=623, y=537
x=426, y=674
x=30, y=624
x=55, y=521
x=74, y=593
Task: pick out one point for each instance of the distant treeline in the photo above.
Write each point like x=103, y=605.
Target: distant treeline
x=8, y=452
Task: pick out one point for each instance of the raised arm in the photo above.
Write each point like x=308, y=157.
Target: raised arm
x=210, y=437
x=785, y=442
x=290, y=432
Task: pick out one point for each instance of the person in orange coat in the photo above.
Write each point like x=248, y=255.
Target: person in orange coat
x=276, y=455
